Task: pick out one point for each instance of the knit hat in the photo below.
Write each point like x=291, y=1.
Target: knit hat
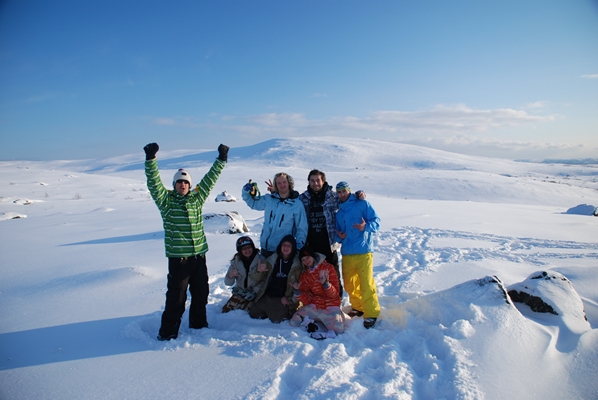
x=307, y=251
x=342, y=185
x=244, y=241
x=182, y=174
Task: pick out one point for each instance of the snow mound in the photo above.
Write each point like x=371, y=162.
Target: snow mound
x=227, y=222
x=11, y=215
x=24, y=202
x=551, y=292
x=226, y=197
x=582, y=209
x=458, y=303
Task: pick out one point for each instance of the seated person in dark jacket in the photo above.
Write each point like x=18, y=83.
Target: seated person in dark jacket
x=276, y=299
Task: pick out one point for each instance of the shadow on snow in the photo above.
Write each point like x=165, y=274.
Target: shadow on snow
x=122, y=239
x=70, y=342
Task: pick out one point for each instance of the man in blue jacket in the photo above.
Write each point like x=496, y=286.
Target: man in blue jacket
x=356, y=223
x=284, y=213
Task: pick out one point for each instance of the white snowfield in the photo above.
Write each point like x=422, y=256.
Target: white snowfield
x=84, y=276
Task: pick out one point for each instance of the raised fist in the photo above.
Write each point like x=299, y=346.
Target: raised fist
x=150, y=150
x=223, y=152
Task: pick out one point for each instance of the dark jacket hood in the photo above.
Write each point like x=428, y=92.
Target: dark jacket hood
x=290, y=239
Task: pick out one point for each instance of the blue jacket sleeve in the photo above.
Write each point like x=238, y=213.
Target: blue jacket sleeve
x=257, y=203
x=372, y=219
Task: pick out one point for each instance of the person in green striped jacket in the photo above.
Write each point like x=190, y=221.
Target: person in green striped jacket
x=184, y=240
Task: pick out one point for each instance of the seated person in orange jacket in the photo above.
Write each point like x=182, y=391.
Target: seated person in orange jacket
x=318, y=289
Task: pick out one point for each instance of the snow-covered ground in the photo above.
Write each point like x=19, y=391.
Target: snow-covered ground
x=83, y=277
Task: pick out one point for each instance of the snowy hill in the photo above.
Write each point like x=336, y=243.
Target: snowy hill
x=83, y=281
x=398, y=170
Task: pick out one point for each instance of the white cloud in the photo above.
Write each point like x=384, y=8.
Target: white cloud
x=492, y=147
x=512, y=145
x=279, y=120
x=536, y=105
x=452, y=128
x=439, y=120
x=590, y=76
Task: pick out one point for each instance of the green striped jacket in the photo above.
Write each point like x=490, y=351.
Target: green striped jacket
x=182, y=215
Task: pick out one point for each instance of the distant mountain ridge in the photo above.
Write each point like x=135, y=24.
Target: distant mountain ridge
x=572, y=161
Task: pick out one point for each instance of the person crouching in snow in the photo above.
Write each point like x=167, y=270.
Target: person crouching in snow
x=242, y=265
x=275, y=300
x=318, y=289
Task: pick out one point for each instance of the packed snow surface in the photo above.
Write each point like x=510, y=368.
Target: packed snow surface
x=84, y=276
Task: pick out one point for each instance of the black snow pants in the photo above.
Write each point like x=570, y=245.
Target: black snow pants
x=189, y=272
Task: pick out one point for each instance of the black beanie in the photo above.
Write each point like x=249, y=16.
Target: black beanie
x=307, y=251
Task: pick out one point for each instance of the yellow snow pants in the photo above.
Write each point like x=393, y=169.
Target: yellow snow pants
x=358, y=278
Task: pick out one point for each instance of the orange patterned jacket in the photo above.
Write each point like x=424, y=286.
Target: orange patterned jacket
x=312, y=291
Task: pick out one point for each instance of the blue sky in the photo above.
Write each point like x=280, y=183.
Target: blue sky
x=86, y=79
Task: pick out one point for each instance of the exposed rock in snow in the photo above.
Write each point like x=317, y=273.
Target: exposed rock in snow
x=534, y=302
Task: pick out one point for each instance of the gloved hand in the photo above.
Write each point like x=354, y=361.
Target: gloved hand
x=249, y=296
x=360, y=194
x=223, y=152
x=150, y=150
x=252, y=188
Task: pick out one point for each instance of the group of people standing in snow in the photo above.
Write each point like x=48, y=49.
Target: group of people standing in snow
x=294, y=275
